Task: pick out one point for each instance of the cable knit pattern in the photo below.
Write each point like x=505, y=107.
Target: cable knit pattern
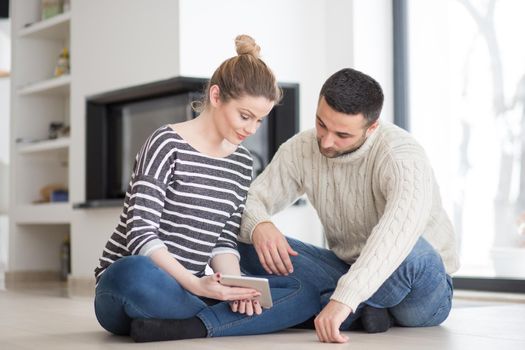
x=374, y=204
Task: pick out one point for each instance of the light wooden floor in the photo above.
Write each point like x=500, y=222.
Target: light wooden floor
x=45, y=318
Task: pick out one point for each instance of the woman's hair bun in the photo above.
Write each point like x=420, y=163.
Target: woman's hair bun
x=245, y=45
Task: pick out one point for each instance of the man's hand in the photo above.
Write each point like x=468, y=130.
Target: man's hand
x=273, y=249
x=327, y=323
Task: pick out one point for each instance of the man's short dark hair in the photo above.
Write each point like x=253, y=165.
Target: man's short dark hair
x=351, y=92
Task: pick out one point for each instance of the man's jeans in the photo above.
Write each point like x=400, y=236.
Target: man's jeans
x=134, y=287
x=417, y=294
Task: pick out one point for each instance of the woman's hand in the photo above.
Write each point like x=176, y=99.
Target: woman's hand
x=229, y=264
x=210, y=287
x=248, y=307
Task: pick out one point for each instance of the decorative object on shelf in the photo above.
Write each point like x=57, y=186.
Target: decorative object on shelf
x=65, y=259
x=62, y=66
x=27, y=140
x=58, y=129
x=52, y=191
x=51, y=8
x=59, y=196
x=55, y=131
x=66, y=5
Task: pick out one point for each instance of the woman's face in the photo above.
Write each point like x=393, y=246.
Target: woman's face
x=239, y=118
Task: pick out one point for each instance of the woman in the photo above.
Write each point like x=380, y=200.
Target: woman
x=182, y=211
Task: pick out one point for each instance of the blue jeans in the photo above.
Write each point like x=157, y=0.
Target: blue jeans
x=134, y=287
x=417, y=294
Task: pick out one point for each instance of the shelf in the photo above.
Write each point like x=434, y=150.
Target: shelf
x=53, y=86
x=46, y=213
x=56, y=27
x=43, y=146
x=100, y=203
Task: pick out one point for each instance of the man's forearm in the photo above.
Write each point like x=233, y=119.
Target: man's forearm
x=276, y=188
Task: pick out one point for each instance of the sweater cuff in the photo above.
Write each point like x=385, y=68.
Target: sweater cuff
x=225, y=250
x=347, y=295
x=148, y=248
x=249, y=222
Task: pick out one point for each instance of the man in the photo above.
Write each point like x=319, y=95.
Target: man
x=392, y=246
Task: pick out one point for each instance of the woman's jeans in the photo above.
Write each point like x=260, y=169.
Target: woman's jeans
x=134, y=287
x=417, y=294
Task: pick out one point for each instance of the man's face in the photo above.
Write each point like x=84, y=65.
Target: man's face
x=339, y=133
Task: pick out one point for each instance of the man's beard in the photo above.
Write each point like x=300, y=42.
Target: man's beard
x=331, y=153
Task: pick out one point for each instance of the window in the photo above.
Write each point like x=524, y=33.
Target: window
x=466, y=101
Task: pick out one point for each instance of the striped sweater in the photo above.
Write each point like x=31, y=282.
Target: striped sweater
x=180, y=200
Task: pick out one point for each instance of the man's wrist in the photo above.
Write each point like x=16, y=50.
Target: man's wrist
x=249, y=222
x=348, y=299
x=342, y=305
x=259, y=227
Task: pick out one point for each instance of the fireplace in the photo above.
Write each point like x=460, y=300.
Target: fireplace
x=118, y=123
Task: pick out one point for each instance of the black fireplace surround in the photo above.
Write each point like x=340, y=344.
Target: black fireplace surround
x=118, y=123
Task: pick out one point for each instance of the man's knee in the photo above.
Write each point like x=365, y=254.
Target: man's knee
x=300, y=246
x=424, y=256
x=421, y=275
x=421, y=316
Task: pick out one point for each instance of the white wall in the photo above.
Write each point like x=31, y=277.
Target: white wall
x=339, y=38
x=292, y=35
x=373, y=46
x=123, y=43
x=303, y=41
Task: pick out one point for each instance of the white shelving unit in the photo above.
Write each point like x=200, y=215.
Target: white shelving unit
x=38, y=99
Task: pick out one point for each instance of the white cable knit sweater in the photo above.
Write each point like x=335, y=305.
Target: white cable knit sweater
x=373, y=203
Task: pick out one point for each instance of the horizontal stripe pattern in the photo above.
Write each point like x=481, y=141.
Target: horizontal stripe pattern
x=183, y=200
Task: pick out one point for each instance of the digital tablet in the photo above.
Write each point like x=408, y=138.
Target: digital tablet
x=257, y=283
